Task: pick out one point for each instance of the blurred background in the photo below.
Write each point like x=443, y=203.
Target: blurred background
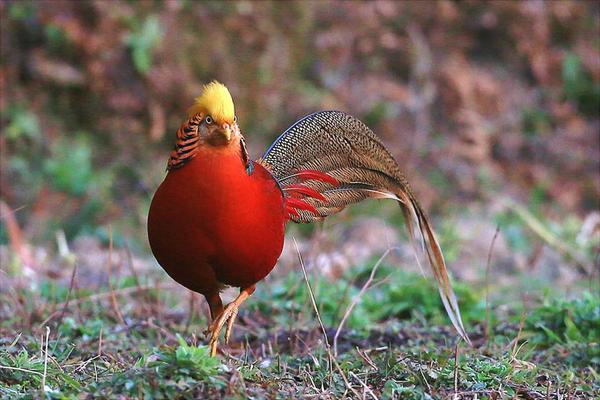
x=491, y=109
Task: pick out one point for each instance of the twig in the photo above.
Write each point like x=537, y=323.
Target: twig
x=45, y=360
x=100, y=342
x=539, y=229
x=98, y=296
x=71, y=285
x=356, y=299
x=364, y=385
x=83, y=364
x=21, y=369
x=113, y=298
x=135, y=274
x=344, y=295
x=521, y=324
x=312, y=296
x=122, y=291
x=366, y=358
x=425, y=379
x=16, y=239
x=314, y=304
x=456, y=397
x=486, y=331
x=593, y=279
x=191, y=313
x=150, y=322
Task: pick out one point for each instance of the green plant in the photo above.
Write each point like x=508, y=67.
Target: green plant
x=142, y=41
x=23, y=372
x=22, y=123
x=70, y=167
x=535, y=122
x=408, y=296
x=579, y=87
x=171, y=372
x=566, y=321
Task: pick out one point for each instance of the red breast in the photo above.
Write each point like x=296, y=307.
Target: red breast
x=210, y=223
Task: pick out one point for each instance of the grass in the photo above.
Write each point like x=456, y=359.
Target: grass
x=396, y=344
x=81, y=164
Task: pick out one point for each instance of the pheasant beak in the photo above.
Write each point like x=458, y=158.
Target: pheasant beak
x=226, y=131
x=220, y=134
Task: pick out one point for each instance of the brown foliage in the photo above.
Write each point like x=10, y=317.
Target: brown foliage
x=470, y=89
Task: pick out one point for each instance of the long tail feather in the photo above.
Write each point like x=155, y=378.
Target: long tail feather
x=415, y=218
x=336, y=155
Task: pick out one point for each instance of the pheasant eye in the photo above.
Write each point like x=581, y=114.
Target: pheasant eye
x=208, y=120
x=235, y=118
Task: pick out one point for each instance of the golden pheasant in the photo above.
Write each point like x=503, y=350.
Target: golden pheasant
x=218, y=218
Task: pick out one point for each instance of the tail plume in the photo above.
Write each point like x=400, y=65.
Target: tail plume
x=328, y=160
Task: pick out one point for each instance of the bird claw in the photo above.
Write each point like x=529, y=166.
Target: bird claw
x=228, y=316
x=229, y=327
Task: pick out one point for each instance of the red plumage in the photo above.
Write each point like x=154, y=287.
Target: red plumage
x=211, y=224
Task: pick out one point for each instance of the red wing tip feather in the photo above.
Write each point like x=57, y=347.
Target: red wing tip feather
x=291, y=212
x=292, y=206
x=305, y=190
x=308, y=174
x=294, y=192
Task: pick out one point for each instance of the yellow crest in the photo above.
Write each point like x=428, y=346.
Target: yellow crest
x=215, y=101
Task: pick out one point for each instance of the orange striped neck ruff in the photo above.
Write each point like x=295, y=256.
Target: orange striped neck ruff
x=186, y=144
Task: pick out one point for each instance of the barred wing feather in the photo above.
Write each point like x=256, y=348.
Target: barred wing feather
x=328, y=160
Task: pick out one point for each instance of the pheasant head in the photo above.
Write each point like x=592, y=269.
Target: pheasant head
x=215, y=106
x=211, y=124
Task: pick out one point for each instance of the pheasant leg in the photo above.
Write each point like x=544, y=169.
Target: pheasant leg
x=228, y=316
x=214, y=304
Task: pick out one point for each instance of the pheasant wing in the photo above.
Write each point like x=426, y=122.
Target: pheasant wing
x=328, y=160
